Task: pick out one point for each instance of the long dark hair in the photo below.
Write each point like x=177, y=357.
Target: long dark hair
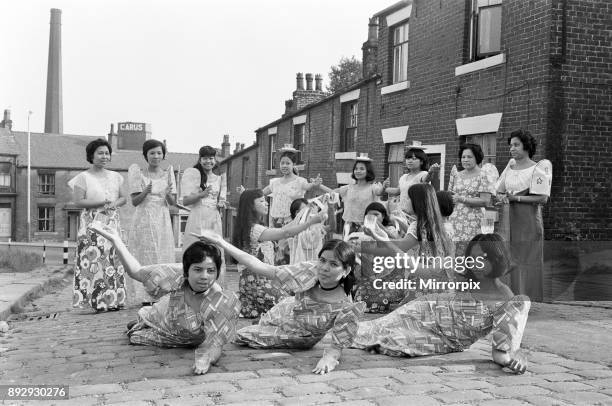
x=345, y=253
x=205, y=151
x=425, y=205
x=294, y=209
x=498, y=254
x=247, y=216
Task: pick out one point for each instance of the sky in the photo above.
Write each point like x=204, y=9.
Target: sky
x=194, y=70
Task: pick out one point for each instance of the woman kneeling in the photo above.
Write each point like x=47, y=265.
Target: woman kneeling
x=322, y=302
x=192, y=311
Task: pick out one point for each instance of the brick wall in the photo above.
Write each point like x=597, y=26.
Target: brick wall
x=579, y=120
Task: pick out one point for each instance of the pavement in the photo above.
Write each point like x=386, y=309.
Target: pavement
x=51, y=343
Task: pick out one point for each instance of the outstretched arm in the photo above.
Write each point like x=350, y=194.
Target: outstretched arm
x=244, y=258
x=130, y=263
x=291, y=229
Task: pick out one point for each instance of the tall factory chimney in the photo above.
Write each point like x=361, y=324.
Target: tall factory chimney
x=54, y=110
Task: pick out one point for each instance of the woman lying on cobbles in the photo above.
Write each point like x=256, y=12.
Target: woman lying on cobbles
x=322, y=302
x=450, y=322
x=192, y=311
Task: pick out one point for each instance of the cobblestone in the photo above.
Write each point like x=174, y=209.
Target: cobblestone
x=90, y=352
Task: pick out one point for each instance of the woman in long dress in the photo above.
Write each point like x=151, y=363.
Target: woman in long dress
x=150, y=236
x=192, y=311
x=471, y=191
x=99, y=280
x=525, y=188
x=204, y=192
x=451, y=322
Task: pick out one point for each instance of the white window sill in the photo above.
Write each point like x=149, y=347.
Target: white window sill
x=346, y=155
x=480, y=65
x=271, y=172
x=396, y=87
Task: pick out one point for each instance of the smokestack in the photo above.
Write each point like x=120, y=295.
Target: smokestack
x=300, y=81
x=318, y=83
x=54, y=110
x=309, y=81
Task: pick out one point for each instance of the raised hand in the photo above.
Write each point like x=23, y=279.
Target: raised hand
x=318, y=180
x=208, y=236
x=434, y=168
x=107, y=232
x=386, y=183
x=149, y=188
x=240, y=189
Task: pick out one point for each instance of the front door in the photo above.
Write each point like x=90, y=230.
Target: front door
x=73, y=225
x=5, y=221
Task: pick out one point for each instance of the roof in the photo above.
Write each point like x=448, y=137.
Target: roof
x=68, y=152
x=237, y=154
x=8, y=145
x=338, y=93
x=393, y=7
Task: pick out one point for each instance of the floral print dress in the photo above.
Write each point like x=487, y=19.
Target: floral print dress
x=99, y=278
x=466, y=220
x=300, y=321
x=257, y=295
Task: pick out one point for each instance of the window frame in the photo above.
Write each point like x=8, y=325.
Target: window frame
x=475, y=20
x=245, y=173
x=299, y=131
x=48, y=217
x=272, y=151
x=6, y=175
x=349, y=125
x=49, y=185
x=479, y=139
x=396, y=148
x=403, y=48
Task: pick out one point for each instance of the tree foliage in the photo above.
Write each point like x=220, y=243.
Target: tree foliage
x=345, y=73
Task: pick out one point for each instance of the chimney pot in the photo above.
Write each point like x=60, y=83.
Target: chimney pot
x=309, y=81
x=318, y=82
x=300, y=81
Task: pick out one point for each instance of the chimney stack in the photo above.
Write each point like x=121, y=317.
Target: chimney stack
x=300, y=81
x=7, y=122
x=309, y=81
x=237, y=149
x=54, y=109
x=318, y=82
x=225, y=146
x=241, y=147
x=370, y=50
x=112, y=138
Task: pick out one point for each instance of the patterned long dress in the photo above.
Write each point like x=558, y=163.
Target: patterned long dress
x=150, y=235
x=99, y=279
x=443, y=323
x=466, y=220
x=257, y=295
x=526, y=227
x=301, y=321
x=172, y=323
x=204, y=213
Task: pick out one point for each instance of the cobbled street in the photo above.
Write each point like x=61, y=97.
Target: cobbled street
x=90, y=353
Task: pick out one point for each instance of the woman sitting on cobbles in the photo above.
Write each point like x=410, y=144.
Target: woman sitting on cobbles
x=192, y=311
x=322, y=302
x=451, y=322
